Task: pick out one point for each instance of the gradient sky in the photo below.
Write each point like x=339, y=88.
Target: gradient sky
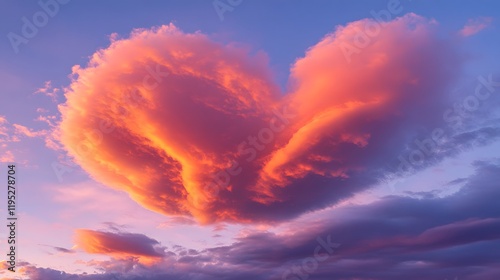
x=238, y=139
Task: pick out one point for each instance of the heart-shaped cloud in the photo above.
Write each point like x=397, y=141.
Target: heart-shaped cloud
x=188, y=126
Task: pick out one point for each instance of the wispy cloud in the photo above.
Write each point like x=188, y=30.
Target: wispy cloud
x=49, y=91
x=474, y=26
x=6, y=137
x=25, y=131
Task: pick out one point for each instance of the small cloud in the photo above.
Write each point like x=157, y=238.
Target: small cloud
x=114, y=226
x=48, y=90
x=3, y=128
x=25, y=131
x=120, y=245
x=50, y=136
x=473, y=26
x=220, y=227
x=6, y=138
x=47, y=119
x=63, y=250
x=176, y=221
x=41, y=110
x=456, y=182
x=6, y=156
x=60, y=249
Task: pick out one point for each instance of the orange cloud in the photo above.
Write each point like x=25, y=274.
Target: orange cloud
x=345, y=105
x=190, y=127
x=120, y=245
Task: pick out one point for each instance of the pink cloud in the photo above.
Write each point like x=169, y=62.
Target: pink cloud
x=3, y=129
x=50, y=137
x=25, y=131
x=6, y=154
x=474, y=26
x=191, y=127
x=48, y=90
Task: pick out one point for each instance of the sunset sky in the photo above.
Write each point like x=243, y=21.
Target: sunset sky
x=241, y=139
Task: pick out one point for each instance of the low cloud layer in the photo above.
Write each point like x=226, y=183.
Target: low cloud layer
x=188, y=126
x=399, y=237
